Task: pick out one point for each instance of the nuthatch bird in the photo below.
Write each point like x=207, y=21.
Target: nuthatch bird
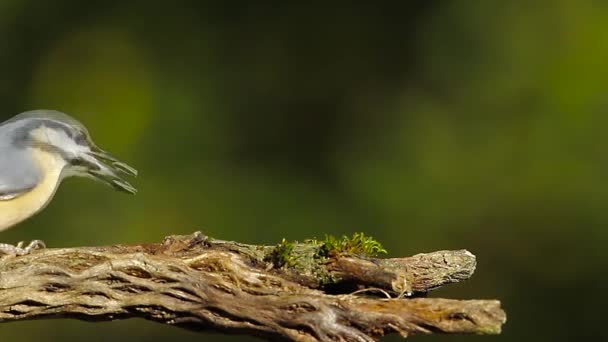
x=38, y=149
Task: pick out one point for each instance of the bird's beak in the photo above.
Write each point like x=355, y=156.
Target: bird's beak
x=108, y=169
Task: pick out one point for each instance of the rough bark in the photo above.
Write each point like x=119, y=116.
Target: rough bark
x=209, y=285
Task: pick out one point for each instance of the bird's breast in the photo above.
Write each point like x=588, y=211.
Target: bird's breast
x=18, y=209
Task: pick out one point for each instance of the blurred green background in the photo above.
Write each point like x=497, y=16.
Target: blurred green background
x=430, y=125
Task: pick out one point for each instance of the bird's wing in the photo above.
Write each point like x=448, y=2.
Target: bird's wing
x=18, y=174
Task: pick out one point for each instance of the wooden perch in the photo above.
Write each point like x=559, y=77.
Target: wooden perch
x=208, y=285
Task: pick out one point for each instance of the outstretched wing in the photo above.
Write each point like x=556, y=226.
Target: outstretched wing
x=18, y=174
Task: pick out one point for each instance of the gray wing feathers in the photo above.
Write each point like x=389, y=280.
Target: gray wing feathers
x=18, y=174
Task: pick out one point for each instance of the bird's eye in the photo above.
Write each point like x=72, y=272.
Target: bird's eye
x=77, y=162
x=80, y=138
x=83, y=163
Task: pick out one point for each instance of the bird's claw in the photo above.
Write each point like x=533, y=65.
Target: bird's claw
x=8, y=249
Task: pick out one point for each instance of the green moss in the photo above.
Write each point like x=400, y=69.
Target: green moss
x=310, y=257
x=282, y=254
x=358, y=244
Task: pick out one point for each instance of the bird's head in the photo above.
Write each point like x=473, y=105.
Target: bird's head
x=69, y=141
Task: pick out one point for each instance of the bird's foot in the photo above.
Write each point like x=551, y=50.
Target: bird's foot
x=7, y=249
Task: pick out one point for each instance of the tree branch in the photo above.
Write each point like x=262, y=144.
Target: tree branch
x=210, y=285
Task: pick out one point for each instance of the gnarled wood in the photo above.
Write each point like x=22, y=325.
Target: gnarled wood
x=201, y=284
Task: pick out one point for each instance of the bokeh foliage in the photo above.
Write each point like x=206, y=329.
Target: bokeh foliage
x=429, y=125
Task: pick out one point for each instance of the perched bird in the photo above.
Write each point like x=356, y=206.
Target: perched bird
x=38, y=149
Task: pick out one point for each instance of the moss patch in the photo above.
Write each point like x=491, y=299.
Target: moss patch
x=282, y=254
x=358, y=244
x=310, y=257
